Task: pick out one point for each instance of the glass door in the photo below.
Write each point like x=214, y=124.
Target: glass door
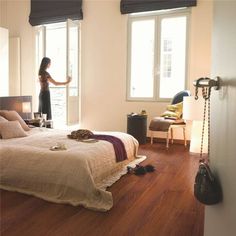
x=39, y=52
x=60, y=42
x=73, y=72
x=56, y=50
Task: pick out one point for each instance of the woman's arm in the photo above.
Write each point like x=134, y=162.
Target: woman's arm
x=51, y=80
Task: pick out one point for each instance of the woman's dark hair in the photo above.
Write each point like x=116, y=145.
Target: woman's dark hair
x=44, y=64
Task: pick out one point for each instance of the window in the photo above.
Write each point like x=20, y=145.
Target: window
x=157, y=55
x=60, y=42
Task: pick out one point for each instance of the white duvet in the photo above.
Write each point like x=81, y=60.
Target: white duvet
x=78, y=175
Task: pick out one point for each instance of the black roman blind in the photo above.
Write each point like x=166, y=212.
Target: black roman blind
x=132, y=6
x=52, y=11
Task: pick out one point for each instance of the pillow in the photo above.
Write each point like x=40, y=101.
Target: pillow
x=178, y=107
x=2, y=119
x=11, y=129
x=174, y=111
x=170, y=114
x=12, y=116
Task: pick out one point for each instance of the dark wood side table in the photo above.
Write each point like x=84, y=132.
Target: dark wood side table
x=137, y=127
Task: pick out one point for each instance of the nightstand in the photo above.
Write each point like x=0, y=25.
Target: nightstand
x=39, y=122
x=137, y=127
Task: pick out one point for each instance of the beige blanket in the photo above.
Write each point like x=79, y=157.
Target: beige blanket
x=78, y=175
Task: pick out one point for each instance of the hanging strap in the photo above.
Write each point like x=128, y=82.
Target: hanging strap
x=206, y=94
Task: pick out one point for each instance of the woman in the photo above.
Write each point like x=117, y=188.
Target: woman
x=44, y=95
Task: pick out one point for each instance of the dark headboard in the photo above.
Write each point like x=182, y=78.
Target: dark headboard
x=15, y=103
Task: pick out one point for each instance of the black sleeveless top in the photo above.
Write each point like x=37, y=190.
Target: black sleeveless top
x=43, y=79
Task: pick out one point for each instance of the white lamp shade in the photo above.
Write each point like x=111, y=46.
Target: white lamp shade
x=196, y=137
x=26, y=107
x=193, y=109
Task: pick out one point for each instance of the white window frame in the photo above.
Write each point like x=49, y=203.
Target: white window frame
x=157, y=16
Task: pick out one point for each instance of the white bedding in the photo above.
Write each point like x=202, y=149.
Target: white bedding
x=78, y=175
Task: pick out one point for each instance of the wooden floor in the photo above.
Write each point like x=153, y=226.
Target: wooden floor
x=156, y=204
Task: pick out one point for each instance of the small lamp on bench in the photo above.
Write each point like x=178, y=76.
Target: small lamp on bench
x=193, y=111
x=26, y=108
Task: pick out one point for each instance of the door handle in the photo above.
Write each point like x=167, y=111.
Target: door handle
x=207, y=82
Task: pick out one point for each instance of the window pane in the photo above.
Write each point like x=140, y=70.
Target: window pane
x=142, y=58
x=173, y=56
x=56, y=51
x=58, y=103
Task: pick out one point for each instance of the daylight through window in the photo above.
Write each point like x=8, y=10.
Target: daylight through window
x=157, y=55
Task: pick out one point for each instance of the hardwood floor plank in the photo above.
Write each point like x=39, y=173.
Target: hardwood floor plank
x=158, y=203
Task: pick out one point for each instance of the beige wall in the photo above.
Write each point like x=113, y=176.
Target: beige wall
x=200, y=41
x=104, y=49
x=2, y=15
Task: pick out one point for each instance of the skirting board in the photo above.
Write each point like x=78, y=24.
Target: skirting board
x=163, y=140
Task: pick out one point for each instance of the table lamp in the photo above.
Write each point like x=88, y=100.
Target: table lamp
x=26, y=108
x=193, y=111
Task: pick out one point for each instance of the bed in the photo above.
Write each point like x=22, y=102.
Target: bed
x=78, y=175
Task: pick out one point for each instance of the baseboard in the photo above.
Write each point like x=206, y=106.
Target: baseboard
x=163, y=140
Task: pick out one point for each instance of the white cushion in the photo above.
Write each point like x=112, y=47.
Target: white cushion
x=2, y=119
x=11, y=129
x=12, y=116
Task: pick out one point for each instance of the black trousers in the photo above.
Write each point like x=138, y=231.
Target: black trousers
x=45, y=103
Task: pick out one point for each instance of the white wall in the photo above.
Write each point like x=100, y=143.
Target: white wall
x=104, y=51
x=104, y=45
x=14, y=16
x=4, y=65
x=15, y=71
x=220, y=219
